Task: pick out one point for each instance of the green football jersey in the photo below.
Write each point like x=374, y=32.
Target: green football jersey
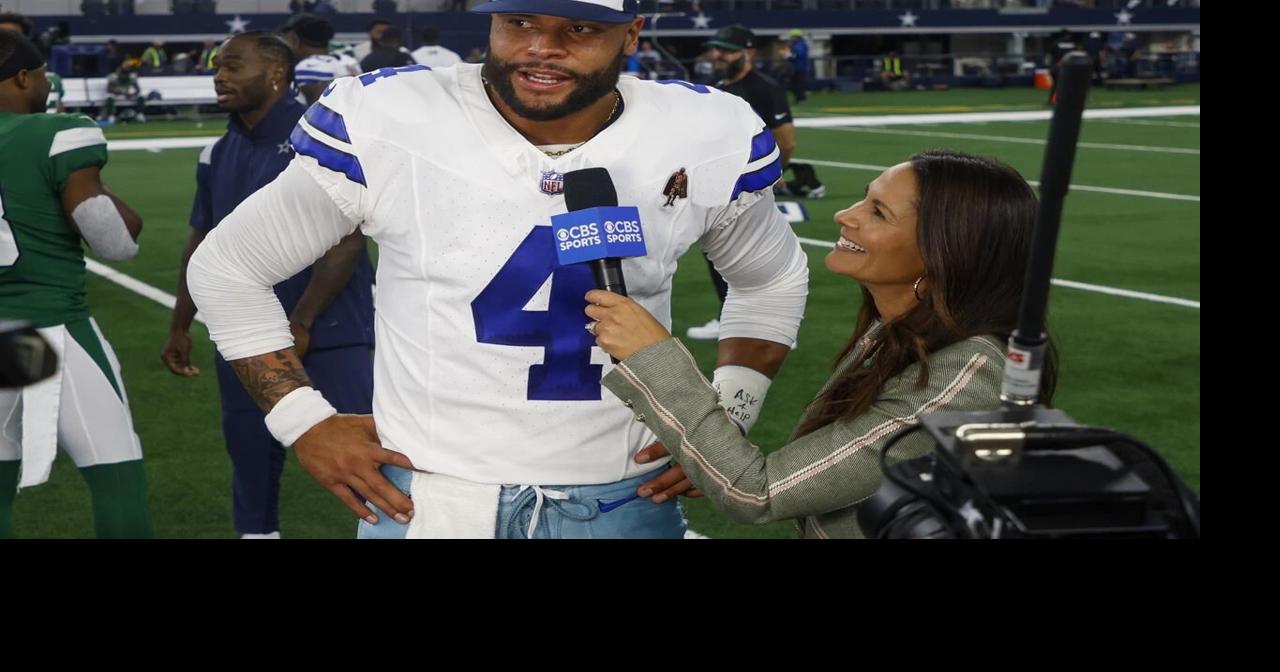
x=41, y=259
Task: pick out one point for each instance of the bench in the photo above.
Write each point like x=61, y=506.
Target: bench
x=83, y=92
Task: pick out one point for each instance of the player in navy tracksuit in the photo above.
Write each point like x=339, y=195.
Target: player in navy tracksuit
x=329, y=305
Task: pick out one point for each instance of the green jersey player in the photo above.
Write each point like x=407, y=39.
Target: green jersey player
x=52, y=198
x=123, y=85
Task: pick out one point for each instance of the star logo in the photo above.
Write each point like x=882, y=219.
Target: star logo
x=236, y=25
x=908, y=20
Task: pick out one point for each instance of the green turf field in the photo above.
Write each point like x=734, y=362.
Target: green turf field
x=1127, y=363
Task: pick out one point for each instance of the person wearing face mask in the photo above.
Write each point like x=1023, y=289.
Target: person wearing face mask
x=939, y=247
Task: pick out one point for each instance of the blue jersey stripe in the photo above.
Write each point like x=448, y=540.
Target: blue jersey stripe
x=333, y=159
x=381, y=73
x=328, y=122
x=758, y=179
x=313, y=73
x=762, y=145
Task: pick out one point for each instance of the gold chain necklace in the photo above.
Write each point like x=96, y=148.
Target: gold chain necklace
x=617, y=98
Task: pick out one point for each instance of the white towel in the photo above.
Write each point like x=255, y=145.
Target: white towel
x=40, y=404
x=445, y=507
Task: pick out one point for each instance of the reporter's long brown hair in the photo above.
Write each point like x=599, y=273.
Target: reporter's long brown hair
x=974, y=222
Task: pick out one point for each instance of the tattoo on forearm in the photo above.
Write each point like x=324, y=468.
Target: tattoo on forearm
x=268, y=378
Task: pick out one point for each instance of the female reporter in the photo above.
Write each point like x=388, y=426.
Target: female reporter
x=939, y=246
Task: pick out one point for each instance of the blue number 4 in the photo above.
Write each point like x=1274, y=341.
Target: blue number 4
x=566, y=373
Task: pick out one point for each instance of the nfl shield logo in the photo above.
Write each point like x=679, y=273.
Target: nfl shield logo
x=552, y=182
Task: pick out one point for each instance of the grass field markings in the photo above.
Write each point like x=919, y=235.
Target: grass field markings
x=152, y=144
x=913, y=109
x=134, y=285
x=834, y=110
x=1007, y=138
x=1030, y=115
x=1142, y=122
x=1100, y=289
x=1077, y=187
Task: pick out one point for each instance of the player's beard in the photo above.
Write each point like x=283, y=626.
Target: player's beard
x=728, y=72
x=589, y=88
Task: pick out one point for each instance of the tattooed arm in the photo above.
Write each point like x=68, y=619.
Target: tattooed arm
x=274, y=234
x=342, y=452
x=269, y=378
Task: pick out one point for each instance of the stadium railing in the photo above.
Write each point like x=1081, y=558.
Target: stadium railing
x=172, y=91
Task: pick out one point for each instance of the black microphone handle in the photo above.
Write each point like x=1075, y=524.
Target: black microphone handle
x=608, y=275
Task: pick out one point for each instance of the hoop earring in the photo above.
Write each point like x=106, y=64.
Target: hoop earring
x=915, y=288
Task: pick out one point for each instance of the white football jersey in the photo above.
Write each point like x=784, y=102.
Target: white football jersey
x=436, y=56
x=483, y=369
x=323, y=68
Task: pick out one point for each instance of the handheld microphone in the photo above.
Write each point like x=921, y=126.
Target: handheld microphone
x=593, y=208
x=596, y=231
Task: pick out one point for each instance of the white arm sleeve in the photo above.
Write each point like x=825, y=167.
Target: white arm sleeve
x=102, y=227
x=760, y=258
x=274, y=234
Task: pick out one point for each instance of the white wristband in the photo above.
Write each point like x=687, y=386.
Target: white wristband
x=299, y=411
x=741, y=391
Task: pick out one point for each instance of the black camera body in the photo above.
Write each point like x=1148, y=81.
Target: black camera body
x=1025, y=470
x=1028, y=473
x=25, y=356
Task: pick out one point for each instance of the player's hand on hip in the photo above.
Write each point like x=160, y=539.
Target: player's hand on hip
x=670, y=482
x=343, y=453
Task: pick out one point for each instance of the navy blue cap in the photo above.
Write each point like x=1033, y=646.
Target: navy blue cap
x=604, y=11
